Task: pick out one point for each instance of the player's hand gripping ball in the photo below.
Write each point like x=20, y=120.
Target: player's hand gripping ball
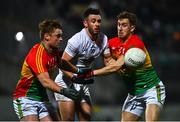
x=134, y=57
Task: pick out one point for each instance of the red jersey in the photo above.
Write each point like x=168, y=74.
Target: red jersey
x=142, y=78
x=37, y=61
x=115, y=44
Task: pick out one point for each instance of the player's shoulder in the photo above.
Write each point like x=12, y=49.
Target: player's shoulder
x=103, y=35
x=78, y=37
x=32, y=54
x=114, y=39
x=136, y=40
x=135, y=37
x=36, y=47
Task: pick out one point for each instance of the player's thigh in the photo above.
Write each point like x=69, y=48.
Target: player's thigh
x=152, y=112
x=127, y=116
x=67, y=110
x=30, y=118
x=154, y=102
x=84, y=111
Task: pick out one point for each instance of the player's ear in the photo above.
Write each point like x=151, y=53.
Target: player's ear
x=133, y=28
x=46, y=36
x=85, y=23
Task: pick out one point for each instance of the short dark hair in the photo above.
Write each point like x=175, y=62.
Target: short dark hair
x=48, y=26
x=89, y=11
x=131, y=16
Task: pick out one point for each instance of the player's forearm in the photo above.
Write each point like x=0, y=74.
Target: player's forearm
x=106, y=70
x=51, y=85
x=112, y=67
x=47, y=82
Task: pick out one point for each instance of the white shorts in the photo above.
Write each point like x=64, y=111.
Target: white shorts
x=137, y=104
x=85, y=94
x=24, y=106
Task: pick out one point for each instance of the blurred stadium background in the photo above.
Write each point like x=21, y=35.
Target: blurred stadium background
x=158, y=25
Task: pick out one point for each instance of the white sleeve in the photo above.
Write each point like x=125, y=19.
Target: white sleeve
x=72, y=46
x=106, y=47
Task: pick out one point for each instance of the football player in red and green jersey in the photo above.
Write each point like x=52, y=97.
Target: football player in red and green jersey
x=146, y=90
x=30, y=97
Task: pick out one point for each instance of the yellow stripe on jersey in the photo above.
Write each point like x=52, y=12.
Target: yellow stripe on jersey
x=41, y=62
x=39, y=59
x=148, y=59
x=26, y=72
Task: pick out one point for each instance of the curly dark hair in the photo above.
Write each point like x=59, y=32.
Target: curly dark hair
x=89, y=11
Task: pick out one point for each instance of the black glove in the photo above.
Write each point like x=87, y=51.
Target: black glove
x=83, y=70
x=70, y=93
x=81, y=79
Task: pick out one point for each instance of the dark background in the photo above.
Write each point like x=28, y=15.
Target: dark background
x=158, y=26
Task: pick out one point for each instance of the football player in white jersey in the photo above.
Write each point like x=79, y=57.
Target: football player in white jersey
x=85, y=46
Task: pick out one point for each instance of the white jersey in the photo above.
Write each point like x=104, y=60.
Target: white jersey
x=85, y=49
x=81, y=46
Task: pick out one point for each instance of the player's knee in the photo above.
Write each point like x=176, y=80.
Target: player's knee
x=85, y=116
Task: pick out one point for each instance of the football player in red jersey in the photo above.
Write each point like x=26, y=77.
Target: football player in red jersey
x=146, y=92
x=30, y=98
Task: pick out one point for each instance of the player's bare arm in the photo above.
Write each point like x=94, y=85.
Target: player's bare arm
x=66, y=57
x=45, y=80
x=113, y=66
x=50, y=84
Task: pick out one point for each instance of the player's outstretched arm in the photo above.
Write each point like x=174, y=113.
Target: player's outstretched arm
x=114, y=65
